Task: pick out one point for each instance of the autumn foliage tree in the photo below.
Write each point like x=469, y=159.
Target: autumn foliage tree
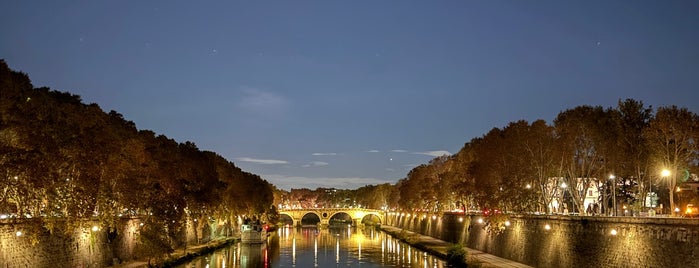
x=521, y=167
x=63, y=160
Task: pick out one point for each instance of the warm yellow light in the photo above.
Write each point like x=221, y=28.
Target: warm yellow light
x=529, y=186
x=677, y=209
x=95, y=228
x=507, y=223
x=678, y=189
x=665, y=173
x=461, y=219
x=547, y=227
x=18, y=233
x=480, y=220
x=564, y=185
x=613, y=232
x=434, y=217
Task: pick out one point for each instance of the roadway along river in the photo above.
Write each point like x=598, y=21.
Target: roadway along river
x=312, y=247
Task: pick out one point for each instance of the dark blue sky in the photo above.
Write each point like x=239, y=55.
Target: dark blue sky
x=343, y=94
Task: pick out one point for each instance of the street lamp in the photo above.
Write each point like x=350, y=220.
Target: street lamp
x=612, y=178
x=561, y=196
x=666, y=173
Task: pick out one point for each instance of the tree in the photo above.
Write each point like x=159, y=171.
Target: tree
x=634, y=119
x=672, y=140
x=585, y=143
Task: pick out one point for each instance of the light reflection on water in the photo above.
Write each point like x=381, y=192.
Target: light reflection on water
x=312, y=247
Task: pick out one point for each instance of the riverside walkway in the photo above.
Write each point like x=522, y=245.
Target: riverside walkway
x=440, y=247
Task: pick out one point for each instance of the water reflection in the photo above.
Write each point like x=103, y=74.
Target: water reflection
x=312, y=247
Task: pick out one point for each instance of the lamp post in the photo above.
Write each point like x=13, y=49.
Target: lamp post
x=612, y=178
x=666, y=173
x=563, y=186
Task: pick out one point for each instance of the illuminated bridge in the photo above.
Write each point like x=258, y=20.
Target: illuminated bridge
x=358, y=215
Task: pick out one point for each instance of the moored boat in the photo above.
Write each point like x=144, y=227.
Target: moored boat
x=253, y=233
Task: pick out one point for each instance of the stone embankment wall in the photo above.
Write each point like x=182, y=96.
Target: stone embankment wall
x=35, y=246
x=575, y=241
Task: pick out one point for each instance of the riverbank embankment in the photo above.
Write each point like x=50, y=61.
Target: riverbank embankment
x=440, y=248
x=182, y=255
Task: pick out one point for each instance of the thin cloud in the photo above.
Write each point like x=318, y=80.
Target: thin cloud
x=399, y=151
x=373, y=151
x=434, y=153
x=316, y=164
x=263, y=102
x=324, y=154
x=296, y=182
x=262, y=161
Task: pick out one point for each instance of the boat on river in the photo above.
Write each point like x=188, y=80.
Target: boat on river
x=253, y=233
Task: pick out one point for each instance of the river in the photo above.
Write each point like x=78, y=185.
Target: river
x=327, y=247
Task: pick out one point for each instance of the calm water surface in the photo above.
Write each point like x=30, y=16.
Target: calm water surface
x=312, y=247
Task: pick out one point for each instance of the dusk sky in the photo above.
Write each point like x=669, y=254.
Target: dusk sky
x=348, y=93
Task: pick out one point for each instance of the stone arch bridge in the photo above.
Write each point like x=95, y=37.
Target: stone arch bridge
x=324, y=214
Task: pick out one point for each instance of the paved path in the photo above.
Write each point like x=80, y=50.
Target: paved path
x=440, y=247
x=179, y=253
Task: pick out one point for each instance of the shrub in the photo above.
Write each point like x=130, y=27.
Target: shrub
x=456, y=256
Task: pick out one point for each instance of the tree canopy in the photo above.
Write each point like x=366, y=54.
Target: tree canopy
x=63, y=159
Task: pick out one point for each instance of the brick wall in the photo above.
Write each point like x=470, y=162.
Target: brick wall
x=571, y=241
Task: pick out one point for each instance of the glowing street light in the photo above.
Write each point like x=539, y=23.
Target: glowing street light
x=665, y=173
x=613, y=179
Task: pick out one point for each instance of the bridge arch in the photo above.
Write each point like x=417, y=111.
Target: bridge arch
x=372, y=218
x=337, y=215
x=311, y=215
x=286, y=219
